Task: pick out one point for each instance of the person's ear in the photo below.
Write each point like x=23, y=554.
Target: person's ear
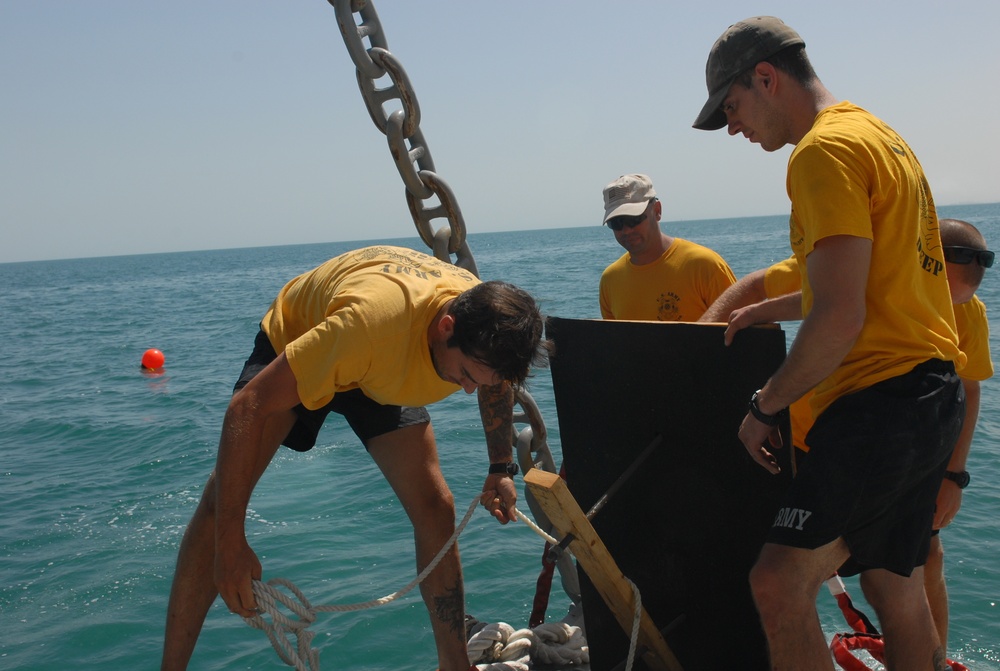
x=446, y=327
x=767, y=75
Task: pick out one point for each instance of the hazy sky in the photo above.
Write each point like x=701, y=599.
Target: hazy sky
x=132, y=127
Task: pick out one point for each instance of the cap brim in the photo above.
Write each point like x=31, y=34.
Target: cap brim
x=631, y=209
x=712, y=117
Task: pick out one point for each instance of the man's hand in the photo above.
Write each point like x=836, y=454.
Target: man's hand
x=755, y=436
x=949, y=500
x=500, y=497
x=782, y=308
x=236, y=566
x=740, y=319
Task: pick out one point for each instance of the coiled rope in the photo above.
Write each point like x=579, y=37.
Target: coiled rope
x=493, y=647
x=499, y=647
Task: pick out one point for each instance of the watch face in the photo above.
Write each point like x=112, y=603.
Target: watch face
x=960, y=479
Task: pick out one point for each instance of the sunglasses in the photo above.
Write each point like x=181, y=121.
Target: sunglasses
x=626, y=221
x=966, y=255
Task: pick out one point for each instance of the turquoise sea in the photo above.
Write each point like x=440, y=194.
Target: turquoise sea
x=102, y=465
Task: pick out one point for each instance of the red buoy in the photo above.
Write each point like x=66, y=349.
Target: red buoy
x=152, y=359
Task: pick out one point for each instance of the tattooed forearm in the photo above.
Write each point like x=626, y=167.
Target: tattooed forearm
x=496, y=406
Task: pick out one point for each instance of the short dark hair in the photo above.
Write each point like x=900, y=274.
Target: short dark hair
x=790, y=60
x=958, y=233
x=499, y=325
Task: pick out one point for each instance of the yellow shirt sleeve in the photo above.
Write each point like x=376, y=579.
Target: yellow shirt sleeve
x=782, y=278
x=974, y=340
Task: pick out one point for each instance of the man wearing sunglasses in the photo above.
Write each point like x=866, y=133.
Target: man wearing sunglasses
x=966, y=260
x=774, y=294
x=660, y=277
x=877, y=345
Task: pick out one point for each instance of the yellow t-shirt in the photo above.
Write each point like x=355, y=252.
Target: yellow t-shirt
x=852, y=175
x=677, y=287
x=970, y=319
x=974, y=340
x=360, y=321
x=780, y=279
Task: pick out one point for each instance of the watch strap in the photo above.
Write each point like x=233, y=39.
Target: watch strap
x=960, y=478
x=762, y=416
x=506, y=467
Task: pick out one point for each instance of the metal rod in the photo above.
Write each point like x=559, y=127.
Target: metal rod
x=596, y=508
x=556, y=551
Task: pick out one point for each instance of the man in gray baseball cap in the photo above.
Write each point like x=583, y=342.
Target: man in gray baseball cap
x=877, y=345
x=740, y=48
x=660, y=277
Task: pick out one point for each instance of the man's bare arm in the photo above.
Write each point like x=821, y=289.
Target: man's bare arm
x=496, y=407
x=748, y=290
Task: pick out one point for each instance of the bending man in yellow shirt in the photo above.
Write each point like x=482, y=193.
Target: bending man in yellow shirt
x=374, y=335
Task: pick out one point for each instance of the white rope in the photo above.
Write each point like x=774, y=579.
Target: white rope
x=498, y=647
x=281, y=627
x=534, y=527
x=636, y=618
x=511, y=651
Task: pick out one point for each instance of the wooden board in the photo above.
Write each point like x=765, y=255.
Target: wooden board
x=688, y=525
x=562, y=510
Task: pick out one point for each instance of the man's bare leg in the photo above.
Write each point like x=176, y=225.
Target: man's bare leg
x=937, y=590
x=785, y=582
x=408, y=459
x=911, y=641
x=193, y=590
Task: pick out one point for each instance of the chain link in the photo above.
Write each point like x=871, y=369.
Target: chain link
x=416, y=168
x=401, y=127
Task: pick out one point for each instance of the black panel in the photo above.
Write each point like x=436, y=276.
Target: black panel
x=688, y=525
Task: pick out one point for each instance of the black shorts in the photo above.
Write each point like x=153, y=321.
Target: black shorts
x=368, y=418
x=873, y=471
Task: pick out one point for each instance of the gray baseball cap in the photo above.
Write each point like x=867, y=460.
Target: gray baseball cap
x=741, y=47
x=629, y=194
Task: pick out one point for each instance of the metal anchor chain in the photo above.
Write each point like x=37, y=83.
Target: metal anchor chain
x=416, y=168
x=401, y=127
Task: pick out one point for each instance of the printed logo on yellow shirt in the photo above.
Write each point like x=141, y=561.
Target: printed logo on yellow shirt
x=669, y=309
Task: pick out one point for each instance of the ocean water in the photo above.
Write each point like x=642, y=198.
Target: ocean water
x=102, y=465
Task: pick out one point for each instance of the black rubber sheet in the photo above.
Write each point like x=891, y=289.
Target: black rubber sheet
x=688, y=525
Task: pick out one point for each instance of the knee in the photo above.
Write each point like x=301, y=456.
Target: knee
x=444, y=506
x=768, y=588
x=436, y=507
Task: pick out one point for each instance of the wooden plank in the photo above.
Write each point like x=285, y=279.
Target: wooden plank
x=566, y=515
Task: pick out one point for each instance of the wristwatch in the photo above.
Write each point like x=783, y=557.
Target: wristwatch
x=762, y=416
x=960, y=479
x=507, y=467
